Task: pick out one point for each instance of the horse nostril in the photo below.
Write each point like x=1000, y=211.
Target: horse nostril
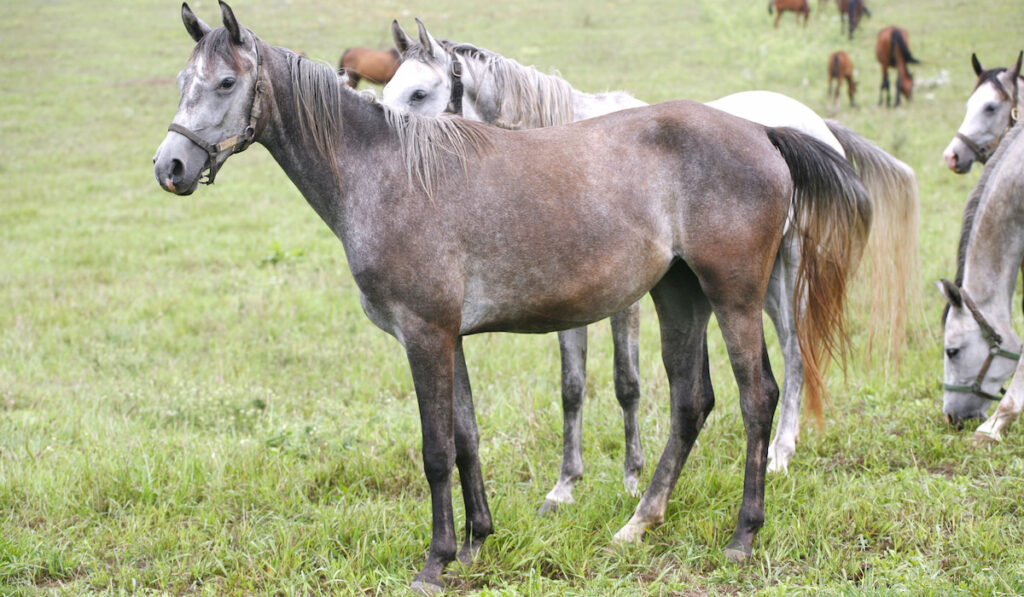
x=177, y=168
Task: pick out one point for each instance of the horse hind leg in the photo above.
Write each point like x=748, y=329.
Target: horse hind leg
x=683, y=314
x=779, y=306
x=573, y=347
x=626, y=342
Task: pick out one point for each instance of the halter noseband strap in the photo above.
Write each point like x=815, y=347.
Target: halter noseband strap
x=984, y=153
x=994, y=350
x=236, y=143
x=455, y=102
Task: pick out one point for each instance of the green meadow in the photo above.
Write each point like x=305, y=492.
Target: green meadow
x=192, y=401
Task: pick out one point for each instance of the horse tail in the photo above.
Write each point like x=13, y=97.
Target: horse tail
x=771, y=4
x=341, y=63
x=834, y=70
x=831, y=214
x=892, y=264
x=900, y=44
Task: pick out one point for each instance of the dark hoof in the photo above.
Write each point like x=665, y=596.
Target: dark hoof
x=549, y=507
x=737, y=555
x=420, y=587
x=467, y=555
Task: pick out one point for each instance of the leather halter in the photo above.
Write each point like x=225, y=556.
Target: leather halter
x=455, y=102
x=994, y=350
x=235, y=143
x=984, y=153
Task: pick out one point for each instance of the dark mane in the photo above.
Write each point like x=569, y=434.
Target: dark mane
x=217, y=44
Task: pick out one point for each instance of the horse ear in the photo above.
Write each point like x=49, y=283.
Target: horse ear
x=428, y=41
x=402, y=40
x=231, y=23
x=951, y=292
x=1015, y=69
x=978, y=69
x=196, y=28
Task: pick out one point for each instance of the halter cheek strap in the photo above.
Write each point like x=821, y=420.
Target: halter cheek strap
x=236, y=143
x=455, y=102
x=994, y=350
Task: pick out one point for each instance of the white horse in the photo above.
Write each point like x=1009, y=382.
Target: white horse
x=438, y=75
x=982, y=350
x=992, y=110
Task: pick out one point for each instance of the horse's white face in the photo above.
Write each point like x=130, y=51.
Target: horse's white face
x=965, y=352
x=419, y=87
x=986, y=118
x=215, y=101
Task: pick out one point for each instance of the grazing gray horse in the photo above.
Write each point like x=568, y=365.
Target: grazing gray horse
x=437, y=74
x=452, y=228
x=982, y=350
x=992, y=110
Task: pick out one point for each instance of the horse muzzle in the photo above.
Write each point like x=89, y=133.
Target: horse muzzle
x=178, y=165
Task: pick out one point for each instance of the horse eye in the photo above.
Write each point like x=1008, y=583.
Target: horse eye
x=227, y=83
x=418, y=95
x=990, y=108
x=952, y=352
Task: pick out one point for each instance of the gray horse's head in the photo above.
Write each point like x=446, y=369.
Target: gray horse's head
x=422, y=84
x=978, y=357
x=215, y=113
x=987, y=118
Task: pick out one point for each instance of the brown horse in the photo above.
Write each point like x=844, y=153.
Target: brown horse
x=850, y=12
x=376, y=66
x=841, y=67
x=800, y=7
x=893, y=49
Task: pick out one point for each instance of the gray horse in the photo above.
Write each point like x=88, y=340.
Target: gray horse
x=556, y=228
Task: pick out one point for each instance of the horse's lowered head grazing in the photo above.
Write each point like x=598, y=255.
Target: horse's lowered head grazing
x=992, y=109
x=981, y=353
x=211, y=122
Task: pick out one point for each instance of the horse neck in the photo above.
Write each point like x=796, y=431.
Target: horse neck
x=996, y=246
x=324, y=179
x=507, y=94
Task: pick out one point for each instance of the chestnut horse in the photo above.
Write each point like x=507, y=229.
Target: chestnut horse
x=376, y=66
x=850, y=12
x=800, y=7
x=840, y=67
x=893, y=49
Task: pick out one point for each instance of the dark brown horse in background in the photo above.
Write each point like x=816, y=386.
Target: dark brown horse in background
x=800, y=7
x=893, y=50
x=840, y=67
x=850, y=12
x=376, y=66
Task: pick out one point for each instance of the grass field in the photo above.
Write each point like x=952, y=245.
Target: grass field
x=192, y=402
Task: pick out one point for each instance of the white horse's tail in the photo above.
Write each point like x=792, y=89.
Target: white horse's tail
x=892, y=263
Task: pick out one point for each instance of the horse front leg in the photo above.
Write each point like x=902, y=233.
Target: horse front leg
x=626, y=342
x=1007, y=411
x=573, y=347
x=431, y=354
x=467, y=457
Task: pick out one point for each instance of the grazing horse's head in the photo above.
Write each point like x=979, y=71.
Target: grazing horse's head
x=981, y=353
x=991, y=111
x=219, y=108
x=422, y=84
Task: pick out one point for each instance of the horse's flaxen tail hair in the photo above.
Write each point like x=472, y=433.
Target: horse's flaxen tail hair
x=900, y=45
x=832, y=217
x=892, y=264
